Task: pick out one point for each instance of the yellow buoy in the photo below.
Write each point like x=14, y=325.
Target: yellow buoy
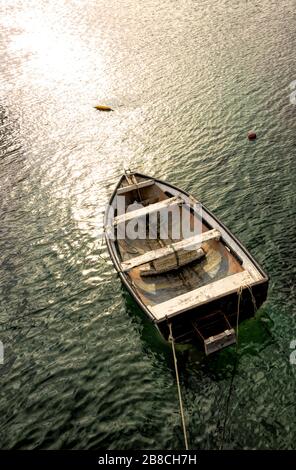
x=101, y=107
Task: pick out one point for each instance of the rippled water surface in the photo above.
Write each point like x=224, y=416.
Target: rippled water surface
x=187, y=79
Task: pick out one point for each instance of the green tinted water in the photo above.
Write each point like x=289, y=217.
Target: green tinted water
x=83, y=367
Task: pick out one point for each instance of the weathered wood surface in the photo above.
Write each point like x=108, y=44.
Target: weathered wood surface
x=219, y=341
x=187, y=244
x=170, y=262
x=201, y=295
x=172, y=201
x=132, y=187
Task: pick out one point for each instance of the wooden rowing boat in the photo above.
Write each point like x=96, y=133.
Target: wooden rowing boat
x=194, y=282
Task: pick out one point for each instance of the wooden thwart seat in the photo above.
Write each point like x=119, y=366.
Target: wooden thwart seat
x=189, y=244
x=132, y=187
x=172, y=201
x=201, y=295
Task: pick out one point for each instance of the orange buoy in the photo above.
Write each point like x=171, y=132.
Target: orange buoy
x=101, y=107
x=252, y=135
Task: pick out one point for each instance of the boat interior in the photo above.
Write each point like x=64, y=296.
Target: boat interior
x=172, y=273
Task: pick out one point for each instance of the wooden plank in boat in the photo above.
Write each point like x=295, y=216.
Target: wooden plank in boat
x=172, y=201
x=171, y=262
x=201, y=295
x=132, y=187
x=187, y=243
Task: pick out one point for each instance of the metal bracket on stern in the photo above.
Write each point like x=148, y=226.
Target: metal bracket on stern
x=215, y=331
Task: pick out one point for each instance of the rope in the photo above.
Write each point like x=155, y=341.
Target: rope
x=239, y=293
x=176, y=254
x=102, y=243
x=171, y=339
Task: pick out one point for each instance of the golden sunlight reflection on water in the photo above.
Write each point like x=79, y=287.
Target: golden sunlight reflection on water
x=66, y=76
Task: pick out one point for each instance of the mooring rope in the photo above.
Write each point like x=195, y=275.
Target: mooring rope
x=171, y=339
x=239, y=294
x=103, y=240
